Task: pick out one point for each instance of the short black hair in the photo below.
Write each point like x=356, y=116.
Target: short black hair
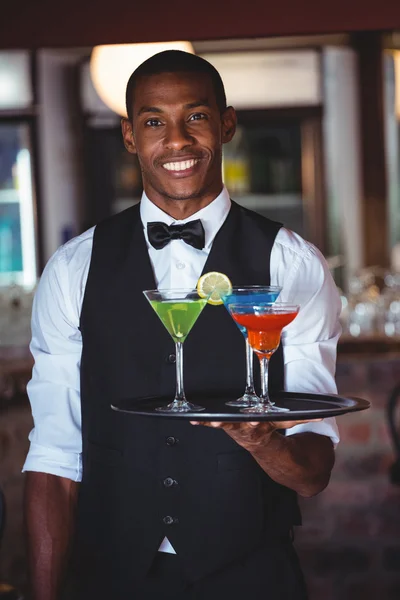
x=175, y=61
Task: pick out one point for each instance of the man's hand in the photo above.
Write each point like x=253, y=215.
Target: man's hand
x=251, y=435
x=302, y=462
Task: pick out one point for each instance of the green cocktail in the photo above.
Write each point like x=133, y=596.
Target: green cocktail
x=178, y=317
x=178, y=310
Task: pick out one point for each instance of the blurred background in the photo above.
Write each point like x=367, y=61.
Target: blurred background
x=317, y=91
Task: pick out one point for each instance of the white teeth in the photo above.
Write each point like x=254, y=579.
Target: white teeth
x=181, y=165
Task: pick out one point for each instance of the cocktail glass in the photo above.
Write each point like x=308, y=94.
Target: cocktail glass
x=264, y=324
x=249, y=295
x=178, y=310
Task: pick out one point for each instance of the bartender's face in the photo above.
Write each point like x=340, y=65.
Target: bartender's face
x=177, y=133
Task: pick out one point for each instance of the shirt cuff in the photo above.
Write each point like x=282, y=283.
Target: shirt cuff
x=326, y=427
x=53, y=461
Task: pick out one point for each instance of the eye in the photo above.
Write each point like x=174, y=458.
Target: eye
x=198, y=117
x=153, y=123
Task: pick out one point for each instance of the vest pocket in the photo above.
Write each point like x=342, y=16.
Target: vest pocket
x=104, y=454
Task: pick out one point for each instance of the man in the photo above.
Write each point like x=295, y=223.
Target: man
x=167, y=508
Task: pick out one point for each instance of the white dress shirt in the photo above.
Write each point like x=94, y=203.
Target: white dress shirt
x=309, y=342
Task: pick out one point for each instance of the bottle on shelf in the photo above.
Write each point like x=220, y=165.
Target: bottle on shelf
x=236, y=164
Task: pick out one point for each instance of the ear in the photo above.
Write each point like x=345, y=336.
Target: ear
x=229, y=121
x=127, y=134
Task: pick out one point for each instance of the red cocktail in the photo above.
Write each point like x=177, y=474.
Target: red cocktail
x=264, y=324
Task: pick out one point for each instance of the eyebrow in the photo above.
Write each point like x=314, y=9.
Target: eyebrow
x=203, y=102
x=149, y=109
x=156, y=109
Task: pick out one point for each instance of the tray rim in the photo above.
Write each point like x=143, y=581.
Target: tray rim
x=234, y=415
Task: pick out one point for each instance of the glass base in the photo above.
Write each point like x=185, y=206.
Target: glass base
x=263, y=408
x=245, y=401
x=180, y=407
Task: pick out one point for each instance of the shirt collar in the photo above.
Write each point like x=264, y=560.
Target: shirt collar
x=212, y=216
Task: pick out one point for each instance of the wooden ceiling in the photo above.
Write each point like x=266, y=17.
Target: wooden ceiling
x=81, y=23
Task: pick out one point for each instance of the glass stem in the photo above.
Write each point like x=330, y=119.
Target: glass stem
x=180, y=392
x=264, y=363
x=249, y=370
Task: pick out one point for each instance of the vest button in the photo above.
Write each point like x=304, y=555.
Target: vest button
x=171, y=358
x=169, y=482
x=171, y=441
x=170, y=520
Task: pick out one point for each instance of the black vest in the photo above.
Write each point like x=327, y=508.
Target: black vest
x=221, y=504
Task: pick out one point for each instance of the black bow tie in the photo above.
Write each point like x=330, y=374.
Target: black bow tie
x=160, y=234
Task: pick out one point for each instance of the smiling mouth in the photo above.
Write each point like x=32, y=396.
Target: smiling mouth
x=182, y=165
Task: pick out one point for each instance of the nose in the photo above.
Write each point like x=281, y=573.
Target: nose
x=177, y=136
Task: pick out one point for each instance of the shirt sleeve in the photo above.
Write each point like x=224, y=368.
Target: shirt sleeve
x=310, y=341
x=54, y=389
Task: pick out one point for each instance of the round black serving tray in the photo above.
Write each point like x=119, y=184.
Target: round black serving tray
x=302, y=406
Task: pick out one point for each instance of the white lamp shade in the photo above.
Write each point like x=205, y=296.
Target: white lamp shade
x=111, y=67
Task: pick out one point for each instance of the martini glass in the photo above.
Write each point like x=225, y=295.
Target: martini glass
x=249, y=295
x=264, y=324
x=178, y=310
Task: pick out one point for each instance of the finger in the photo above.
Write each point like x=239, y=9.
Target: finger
x=229, y=426
x=208, y=423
